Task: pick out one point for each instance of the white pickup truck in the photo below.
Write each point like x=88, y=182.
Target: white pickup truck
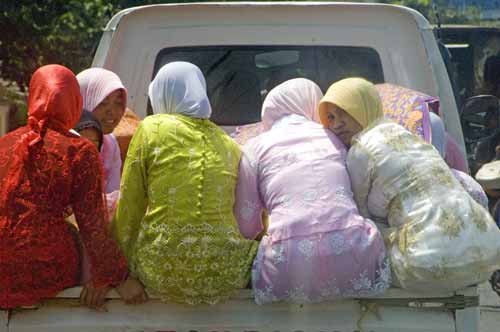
x=245, y=49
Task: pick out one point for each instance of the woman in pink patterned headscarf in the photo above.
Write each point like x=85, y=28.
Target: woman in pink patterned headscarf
x=317, y=247
x=413, y=110
x=105, y=96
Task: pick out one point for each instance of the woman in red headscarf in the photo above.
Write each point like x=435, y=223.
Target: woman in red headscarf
x=43, y=169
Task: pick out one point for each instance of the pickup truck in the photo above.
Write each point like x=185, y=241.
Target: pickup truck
x=245, y=49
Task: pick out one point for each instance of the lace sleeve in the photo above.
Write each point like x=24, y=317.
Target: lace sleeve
x=108, y=266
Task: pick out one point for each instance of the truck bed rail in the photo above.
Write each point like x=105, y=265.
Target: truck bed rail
x=395, y=310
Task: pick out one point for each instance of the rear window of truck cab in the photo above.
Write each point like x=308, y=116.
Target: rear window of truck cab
x=239, y=77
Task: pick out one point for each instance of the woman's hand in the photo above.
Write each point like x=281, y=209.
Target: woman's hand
x=93, y=297
x=132, y=291
x=265, y=225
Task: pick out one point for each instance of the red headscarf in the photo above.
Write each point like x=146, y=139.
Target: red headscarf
x=54, y=102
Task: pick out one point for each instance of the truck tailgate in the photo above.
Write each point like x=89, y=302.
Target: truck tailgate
x=396, y=310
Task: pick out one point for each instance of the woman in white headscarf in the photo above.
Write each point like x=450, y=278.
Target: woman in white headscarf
x=174, y=220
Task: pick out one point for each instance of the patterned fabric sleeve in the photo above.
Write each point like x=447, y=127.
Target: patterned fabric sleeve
x=133, y=200
x=248, y=205
x=359, y=170
x=108, y=266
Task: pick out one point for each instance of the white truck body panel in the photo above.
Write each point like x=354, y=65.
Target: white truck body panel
x=241, y=314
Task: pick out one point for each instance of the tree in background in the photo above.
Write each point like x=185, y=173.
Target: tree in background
x=423, y=6
x=39, y=32
x=35, y=33
x=432, y=8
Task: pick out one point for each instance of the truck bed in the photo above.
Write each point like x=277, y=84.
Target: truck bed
x=396, y=310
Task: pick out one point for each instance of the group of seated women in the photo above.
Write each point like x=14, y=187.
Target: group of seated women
x=329, y=201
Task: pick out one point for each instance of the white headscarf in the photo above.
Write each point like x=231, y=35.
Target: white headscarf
x=438, y=133
x=179, y=87
x=298, y=96
x=96, y=84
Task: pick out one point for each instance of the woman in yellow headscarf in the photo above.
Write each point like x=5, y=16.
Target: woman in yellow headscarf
x=438, y=237
x=349, y=106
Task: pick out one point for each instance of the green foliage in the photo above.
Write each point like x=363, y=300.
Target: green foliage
x=39, y=32
x=446, y=14
x=35, y=33
x=423, y=6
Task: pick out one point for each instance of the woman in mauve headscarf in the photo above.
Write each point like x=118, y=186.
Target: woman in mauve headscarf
x=105, y=96
x=174, y=220
x=44, y=169
x=317, y=246
x=438, y=237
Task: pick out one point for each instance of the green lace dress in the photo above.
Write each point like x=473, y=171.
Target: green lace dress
x=175, y=220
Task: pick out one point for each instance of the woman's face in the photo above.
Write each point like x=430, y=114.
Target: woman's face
x=342, y=124
x=92, y=135
x=110, y=111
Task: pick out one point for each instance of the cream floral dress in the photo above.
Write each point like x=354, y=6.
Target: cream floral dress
x=438, y=237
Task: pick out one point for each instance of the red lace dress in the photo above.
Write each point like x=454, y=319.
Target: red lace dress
x=38, y=254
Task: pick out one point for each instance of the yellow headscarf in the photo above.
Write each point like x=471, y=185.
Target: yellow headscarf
x=357, y=97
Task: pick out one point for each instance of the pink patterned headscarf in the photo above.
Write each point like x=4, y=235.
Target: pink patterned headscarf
x=409, y=108
x=96, y=84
